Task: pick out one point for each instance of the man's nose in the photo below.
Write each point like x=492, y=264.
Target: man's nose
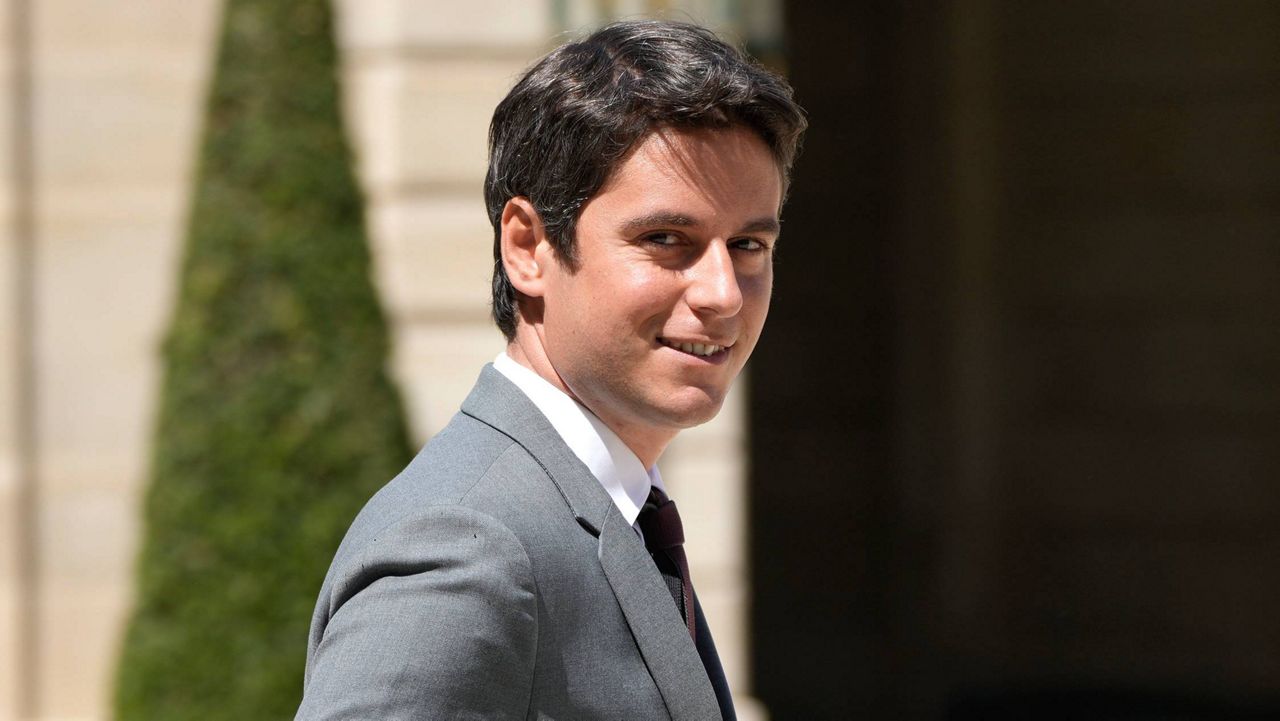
x=713, y=287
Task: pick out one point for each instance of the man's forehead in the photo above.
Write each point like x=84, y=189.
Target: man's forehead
x=708, y=159
x=695, y=152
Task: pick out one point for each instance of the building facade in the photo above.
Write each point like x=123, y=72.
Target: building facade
x=100, y=115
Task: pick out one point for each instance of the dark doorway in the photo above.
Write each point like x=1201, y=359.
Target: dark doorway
x=1015, y=422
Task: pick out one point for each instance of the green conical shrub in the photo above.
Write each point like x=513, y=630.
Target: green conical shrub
x=277, y=420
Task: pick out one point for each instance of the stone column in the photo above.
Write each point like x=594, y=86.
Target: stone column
x=117, y=96
x=14, y=350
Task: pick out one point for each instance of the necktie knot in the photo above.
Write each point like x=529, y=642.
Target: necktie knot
x=660, y=523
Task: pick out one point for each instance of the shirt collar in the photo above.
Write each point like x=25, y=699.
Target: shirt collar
x=604, y=454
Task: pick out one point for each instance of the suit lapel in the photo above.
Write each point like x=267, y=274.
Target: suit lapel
x=660, y=635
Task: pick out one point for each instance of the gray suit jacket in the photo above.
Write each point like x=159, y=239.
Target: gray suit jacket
x=495, y=579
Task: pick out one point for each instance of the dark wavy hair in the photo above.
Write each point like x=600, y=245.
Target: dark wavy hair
x=574, y=115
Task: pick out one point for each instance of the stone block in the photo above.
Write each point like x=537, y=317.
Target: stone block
x=434, y=254
x=107, y=82
x=578, y=15
x=88, y=531
x=88, y=541
x=436, y=364
x=111, y=122
x=105, y=287
x=711, y=491
x=370, y=96
x=79, y=640
x=366, y=24
x=68, y=27
x=426, y=122
x=498, y=24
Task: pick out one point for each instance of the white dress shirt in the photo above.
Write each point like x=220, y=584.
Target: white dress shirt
x=595, y=444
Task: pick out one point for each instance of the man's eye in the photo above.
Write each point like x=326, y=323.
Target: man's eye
x=749, y=244
x=662, y=238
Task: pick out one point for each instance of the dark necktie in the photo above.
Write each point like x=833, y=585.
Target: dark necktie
x=664, y=538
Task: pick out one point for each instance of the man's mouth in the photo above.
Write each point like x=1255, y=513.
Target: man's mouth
x=699, y=349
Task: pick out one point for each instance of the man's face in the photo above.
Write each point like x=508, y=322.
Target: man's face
x=673, y=280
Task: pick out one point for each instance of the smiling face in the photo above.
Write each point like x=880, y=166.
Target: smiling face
x=670, y=287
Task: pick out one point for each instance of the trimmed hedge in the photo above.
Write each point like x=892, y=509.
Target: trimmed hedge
x=277, y=420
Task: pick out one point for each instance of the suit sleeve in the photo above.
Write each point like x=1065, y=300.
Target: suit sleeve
x=435, y=617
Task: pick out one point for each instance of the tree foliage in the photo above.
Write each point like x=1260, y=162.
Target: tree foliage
x=277, y=419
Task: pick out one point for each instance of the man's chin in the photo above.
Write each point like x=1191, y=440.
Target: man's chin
x=691, y=408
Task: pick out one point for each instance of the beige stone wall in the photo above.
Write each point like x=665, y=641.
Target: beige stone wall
x=117, y=94
x=115, y=102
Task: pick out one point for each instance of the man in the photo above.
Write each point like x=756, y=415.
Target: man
x=527, y=563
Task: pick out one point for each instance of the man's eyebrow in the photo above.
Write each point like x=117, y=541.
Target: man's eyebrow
x=659, y=219
x=763, y=225
x=665, y=219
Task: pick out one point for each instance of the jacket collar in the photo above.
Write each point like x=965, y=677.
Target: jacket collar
x=497, y=402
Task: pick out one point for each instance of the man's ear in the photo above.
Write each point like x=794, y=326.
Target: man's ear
x=524, y=240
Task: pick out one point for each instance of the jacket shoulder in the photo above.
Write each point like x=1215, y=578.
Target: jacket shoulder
x=468, y=464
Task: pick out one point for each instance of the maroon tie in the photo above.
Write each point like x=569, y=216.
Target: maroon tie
x=664, y=538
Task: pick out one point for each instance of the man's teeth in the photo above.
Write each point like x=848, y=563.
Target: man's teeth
x=697, y=348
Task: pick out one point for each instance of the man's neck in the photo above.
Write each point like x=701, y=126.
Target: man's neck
x=646, y=443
